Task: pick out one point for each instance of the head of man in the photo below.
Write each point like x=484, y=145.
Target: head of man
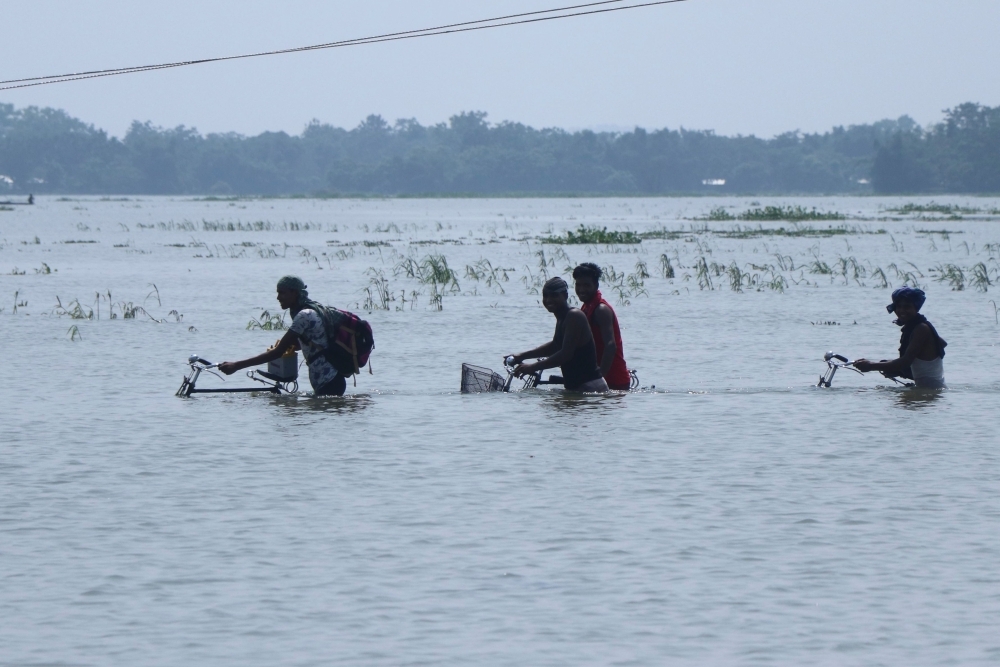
x=291, y=292
x=587, y=277
x=906, y=303
x=555, y=295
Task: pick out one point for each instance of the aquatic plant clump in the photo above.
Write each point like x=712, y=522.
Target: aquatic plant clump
x=773, y=214
x=797, y=231
x=788, y=213
x=933, y=207
x=594, y=236
x=267, y=322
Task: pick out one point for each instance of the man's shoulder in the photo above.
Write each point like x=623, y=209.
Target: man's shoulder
x=305, y=317
x=604, y=309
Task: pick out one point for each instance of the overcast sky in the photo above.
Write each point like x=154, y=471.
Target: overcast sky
x=736, y=66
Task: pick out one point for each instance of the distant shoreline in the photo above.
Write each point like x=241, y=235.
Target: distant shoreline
x=70, y=197
x=46, y=151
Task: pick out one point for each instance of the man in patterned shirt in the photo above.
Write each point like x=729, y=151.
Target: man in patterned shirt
x=306, y=333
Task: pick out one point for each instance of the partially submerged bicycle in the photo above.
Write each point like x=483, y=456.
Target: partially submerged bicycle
x=479, y=380
x=281, y=377
x=835, y=362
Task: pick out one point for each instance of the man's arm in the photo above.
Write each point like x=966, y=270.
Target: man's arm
x=921, y=335
x=541, y=351
x=576, y=329
x=605, y=322
x=290, y=339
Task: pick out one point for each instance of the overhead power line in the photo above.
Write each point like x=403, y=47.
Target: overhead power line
x=587, y=9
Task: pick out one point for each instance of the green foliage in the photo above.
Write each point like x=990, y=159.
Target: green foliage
x=960, y=155
x=594, y=235
x=952, y=274
x=794, y=232
x=943, y=209
x=666, y=268
x=719, y=214
x=268, y=322
x=493, y=276
x=979, y=277
x=432, y=270
x=74, y=310
x=46, y=150
x=377, y=293
x=788, y=213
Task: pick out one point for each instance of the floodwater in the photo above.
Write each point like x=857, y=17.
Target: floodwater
x=735, y=514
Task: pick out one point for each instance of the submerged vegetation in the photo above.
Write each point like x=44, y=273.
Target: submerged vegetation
x=774, y=214
x=267, y=322
x=932, y=207
x=594, y=235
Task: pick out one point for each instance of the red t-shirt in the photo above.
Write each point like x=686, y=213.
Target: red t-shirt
x=617, y=377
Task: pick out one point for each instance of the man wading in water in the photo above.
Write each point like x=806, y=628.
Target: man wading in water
x=571, y=348
x=921, y=349
x=603, y=326
x=306, y=333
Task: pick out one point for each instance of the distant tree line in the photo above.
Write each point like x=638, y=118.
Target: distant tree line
x=47, y=151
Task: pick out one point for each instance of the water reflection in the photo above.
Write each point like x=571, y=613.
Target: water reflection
x=576, y=403
x=914, y=398
x=303, y=405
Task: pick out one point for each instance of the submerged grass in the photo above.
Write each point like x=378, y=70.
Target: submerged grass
x=594, y=236
x=794, y=232
x=759, y=231
x=431, y=270
x=774, y=214
x=377, y=294
x=268, y=322
x=934, y=207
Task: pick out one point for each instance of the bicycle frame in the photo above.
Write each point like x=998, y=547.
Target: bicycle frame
x=272, y=384
x=836, y=361
x=530, y=381
x=535, y=379
x=832, y=365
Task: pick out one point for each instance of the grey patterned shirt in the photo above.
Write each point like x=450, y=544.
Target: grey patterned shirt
x=312, y=337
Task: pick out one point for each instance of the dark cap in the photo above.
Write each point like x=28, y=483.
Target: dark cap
x=914, y=295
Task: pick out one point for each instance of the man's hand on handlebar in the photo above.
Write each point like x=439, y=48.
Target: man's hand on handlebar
x=863, y=365
x=525, y=369
x=228, y=367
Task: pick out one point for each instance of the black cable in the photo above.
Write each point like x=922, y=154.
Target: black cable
x=122, y=70
x=467, y=26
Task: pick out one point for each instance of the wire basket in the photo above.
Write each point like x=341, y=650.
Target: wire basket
x=477, y=380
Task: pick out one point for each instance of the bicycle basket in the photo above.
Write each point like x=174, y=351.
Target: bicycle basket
x=477, y=380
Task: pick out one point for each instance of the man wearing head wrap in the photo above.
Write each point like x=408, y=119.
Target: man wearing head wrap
x=307, y=333
x=571, y=348
x=921, y=349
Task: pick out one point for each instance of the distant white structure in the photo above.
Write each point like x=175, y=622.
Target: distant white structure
x=6, y=180
x=714, y=181
x=863, y=181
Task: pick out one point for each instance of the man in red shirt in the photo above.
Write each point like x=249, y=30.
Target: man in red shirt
x=603, y=325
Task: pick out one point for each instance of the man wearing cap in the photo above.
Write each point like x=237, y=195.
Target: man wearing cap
x=921, y=349
x=571, y=348
x=306, y=333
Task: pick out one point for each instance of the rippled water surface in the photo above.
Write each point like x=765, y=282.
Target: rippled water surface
x=733, y=514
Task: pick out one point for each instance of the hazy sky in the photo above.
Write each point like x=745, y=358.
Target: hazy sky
x=735, y=66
